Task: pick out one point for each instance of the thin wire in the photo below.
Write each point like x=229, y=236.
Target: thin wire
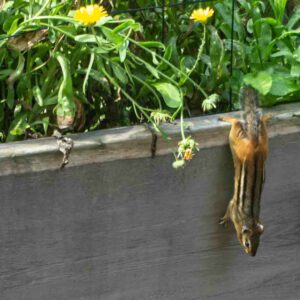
x=159, y=6
x=163, y=21
x=231, y=53
x=22, y=33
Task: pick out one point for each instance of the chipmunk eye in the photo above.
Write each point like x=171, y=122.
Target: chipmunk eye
x=245, y=230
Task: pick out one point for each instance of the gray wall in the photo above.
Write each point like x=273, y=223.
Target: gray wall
x=138, y=230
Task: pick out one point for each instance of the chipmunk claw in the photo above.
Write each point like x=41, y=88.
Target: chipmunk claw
x=224, y=221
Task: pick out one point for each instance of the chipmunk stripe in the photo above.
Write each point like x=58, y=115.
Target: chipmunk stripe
x=243, y=183
x=249, y=147
x=238, y=184
x=258, y=188
x=254, y=187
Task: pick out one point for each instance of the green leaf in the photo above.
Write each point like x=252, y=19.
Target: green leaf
x=10, y=25
x=294, y=19
x=120, y=73
x=167, y=56
x=262, y=81
x=86, y=38
x=66, y=104
x=284, y=52
x=19, y=69
x=265, y=39
x=45, y=122
x=123, y=51
x=50, y=101
x=88, y=71
x=103, y=21
x=295, y=70
x=278, y=7
x=68, y=30
x=152, y=70
x=112, y=37
x=297, y=54
x=11, y=80
x=283, y=85
x=5, y=73
x=216, y=52
x=170, y=93
x=37, y=95
x=10, y=99
x=124, y=26
x=152, y=44
x=270, y=21
x=18, y=126
x=154, y=59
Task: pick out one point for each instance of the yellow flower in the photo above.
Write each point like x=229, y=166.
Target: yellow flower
x=201, y=15
x=188, y=154
x=90, y=14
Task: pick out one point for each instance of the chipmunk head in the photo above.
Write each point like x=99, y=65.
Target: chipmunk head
x=249, y=237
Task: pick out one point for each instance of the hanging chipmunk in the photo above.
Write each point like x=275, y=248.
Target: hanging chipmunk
x=249, y=146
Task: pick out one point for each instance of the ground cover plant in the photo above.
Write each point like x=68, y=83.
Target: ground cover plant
x=80, y=66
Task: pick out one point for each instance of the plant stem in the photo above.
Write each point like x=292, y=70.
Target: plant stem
x=176, y=112
x=170, y=65
x=42, y=8
x=182, y=123
x=200, y=51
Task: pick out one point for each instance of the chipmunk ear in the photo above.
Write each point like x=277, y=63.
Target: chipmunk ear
x=260, y=227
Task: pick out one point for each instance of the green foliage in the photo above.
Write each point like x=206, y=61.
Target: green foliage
x=55, y=72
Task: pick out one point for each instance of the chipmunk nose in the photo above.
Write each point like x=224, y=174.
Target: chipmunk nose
x=247, y=245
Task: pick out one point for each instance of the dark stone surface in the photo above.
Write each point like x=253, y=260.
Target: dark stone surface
x=138, y=230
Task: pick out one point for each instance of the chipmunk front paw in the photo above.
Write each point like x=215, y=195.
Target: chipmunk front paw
x=224, y=221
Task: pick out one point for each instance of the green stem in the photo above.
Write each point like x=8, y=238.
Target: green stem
x=150, y=88
x=158, y=71
x=200, y=51
x=166, y=62
x=176, y=112
x=182, y=123
x=42, y=8
x=30, y=8
x=171, y=66
x=156, y=127
x=66, y=33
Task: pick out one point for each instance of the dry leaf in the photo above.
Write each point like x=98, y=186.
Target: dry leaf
x=27, y=39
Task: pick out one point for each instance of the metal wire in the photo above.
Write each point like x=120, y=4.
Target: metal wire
x=231, y=53
x=183, y=3
x=163, y=21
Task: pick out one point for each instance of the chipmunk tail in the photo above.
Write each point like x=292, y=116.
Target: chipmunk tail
x=249, y=102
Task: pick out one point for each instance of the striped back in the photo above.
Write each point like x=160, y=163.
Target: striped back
x=249, y=100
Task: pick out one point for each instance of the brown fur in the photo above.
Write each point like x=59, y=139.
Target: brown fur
x=249, y=150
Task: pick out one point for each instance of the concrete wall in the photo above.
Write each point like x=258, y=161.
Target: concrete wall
x=135, y=229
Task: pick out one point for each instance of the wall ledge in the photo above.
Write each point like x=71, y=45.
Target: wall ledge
x=132, y=142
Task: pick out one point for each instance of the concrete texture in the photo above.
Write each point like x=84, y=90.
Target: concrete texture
x=138, y=230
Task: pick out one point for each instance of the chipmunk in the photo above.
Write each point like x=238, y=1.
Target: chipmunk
x=249, y=146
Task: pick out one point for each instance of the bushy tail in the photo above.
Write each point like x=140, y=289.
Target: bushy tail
x=249, y=99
